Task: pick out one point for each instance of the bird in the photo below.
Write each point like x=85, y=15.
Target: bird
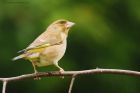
x=49, y=47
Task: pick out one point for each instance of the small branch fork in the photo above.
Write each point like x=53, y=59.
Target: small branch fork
x=68, y=73
x=4, y=86
x=71, y=83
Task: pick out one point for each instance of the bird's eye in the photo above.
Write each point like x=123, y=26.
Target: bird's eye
x=62, y=22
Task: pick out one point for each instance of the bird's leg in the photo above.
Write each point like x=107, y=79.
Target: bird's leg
x=60, y=69
x=35, y=71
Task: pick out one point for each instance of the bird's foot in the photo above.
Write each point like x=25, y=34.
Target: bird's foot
x=61, y=71
x=36, y=76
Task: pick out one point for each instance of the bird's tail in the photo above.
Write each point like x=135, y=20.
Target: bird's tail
x=18, y=57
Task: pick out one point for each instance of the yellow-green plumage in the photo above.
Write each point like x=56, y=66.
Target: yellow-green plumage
x=49, y=47
x=28, y=54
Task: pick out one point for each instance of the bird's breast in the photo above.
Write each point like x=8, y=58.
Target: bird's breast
x=52, y=54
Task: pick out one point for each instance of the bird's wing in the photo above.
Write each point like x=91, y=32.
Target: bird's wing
x=35, y=47
x=47, y=38
x=42, y=39
x=36, y=43
x=39, y=46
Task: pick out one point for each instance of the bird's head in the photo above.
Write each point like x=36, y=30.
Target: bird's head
x=62, y=25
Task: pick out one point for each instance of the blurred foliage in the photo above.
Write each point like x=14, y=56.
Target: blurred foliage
x=106, y=35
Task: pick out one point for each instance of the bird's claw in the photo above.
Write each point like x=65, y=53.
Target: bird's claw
x=36, y=76
x=61, y=71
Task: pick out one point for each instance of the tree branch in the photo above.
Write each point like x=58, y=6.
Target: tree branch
x=68, y=73
x=4, y=86
x=71, y=83
x=71, y=73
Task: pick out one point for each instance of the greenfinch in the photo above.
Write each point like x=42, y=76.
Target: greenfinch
x=49, y=47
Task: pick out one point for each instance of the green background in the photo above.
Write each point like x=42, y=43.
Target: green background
x=106, y=35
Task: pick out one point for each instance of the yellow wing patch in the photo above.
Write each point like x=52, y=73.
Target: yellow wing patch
x=38, y=48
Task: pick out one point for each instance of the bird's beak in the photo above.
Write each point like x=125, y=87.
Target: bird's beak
x=69, y=24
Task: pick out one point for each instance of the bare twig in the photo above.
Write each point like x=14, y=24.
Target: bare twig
x=4, y=86
x=71, y=83
x=69, y=73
